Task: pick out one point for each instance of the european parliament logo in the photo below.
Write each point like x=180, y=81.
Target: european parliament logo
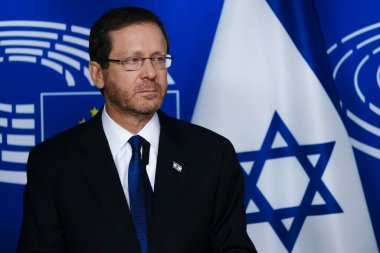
x=356, y=70
x=46, y=88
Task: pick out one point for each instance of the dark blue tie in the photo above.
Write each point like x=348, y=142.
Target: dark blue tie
x=137, y=181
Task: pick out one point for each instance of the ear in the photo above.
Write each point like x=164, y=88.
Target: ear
x=96, y=73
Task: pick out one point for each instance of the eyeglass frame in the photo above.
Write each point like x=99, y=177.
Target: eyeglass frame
x=123, y=62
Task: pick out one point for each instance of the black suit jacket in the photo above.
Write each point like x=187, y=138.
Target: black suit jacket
x=74, y=201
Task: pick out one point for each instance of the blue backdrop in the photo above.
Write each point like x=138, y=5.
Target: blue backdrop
x=45, y=87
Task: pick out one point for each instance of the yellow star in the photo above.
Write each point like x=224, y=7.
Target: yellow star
x=82, y=121
x=94, y=111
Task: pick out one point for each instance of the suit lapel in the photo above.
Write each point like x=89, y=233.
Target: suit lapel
x=169, y=180
x=98, y=166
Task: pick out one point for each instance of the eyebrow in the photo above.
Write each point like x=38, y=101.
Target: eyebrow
x=141, y=54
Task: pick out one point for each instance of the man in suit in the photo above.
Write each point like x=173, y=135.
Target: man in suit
x=89, y=189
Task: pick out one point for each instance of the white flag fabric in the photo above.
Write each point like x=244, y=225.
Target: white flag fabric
x=302, y=184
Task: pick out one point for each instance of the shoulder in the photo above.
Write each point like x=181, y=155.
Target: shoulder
x=68, y=140
x=61, y=140
x=59, y=152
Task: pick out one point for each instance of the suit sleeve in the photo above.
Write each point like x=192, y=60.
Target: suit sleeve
x=229, y=231
x=41, y=229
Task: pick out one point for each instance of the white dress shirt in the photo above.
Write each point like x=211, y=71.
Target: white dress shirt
x=122, y=151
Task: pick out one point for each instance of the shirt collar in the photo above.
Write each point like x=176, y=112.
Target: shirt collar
x=117, y=136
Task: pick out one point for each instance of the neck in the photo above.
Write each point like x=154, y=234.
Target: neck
x=131, y=121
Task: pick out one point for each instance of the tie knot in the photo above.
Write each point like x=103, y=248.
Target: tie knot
x=136, y=142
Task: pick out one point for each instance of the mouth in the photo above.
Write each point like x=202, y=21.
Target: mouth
x=148, y=91
x=149, y=94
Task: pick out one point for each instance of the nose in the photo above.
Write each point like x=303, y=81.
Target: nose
x=148, y=70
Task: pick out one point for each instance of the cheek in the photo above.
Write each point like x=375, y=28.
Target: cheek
x=163, y=81
x=123, y=82
x=164, y=89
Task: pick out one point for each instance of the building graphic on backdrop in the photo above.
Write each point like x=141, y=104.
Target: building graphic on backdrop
x=50, y=88
x=355, y=58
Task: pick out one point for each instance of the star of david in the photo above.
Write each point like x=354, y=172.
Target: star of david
x=266, y=213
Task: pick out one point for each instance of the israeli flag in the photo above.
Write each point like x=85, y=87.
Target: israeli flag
x=303, y=190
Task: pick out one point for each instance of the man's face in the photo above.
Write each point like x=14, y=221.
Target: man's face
x=140, y=91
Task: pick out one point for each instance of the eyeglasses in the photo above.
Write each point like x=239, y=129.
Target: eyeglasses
x=136, y=62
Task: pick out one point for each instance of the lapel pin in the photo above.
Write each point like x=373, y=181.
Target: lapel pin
x=177, y=167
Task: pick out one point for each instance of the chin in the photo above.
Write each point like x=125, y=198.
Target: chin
x=147, y=109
